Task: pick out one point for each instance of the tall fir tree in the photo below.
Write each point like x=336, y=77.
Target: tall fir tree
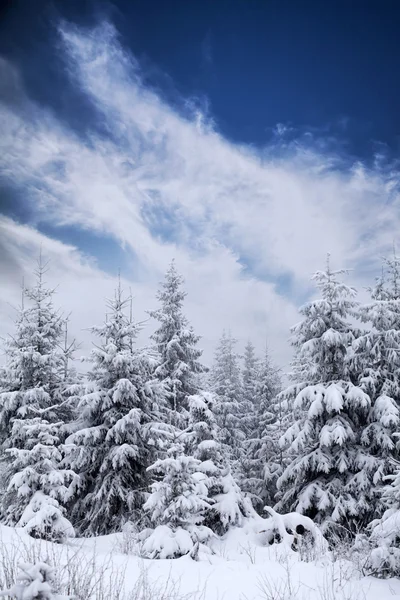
x=176, y=343
x=177, y=504
x=248, y=416
x=376, y=367
x=33, y=359
x=119, y=416
x=225, y=382
x=31, y=406
x=263, y=457
x=323, y=337
x=228, y=506
x=331, y=474
x=250, y=381
x=383, y=559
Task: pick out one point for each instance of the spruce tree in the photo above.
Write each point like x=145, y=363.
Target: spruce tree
x=264, y=460
x=248, y=418
x=176, y=505
x=226, y=384
x=383, y=544
x=34, y=582
x=227, y=504
x=33, y=359
x=376, y=368
x=251, y=392
x=176, y=344
x=377, y=362
x=31, y=407
x=118, y=434
x=330, y=476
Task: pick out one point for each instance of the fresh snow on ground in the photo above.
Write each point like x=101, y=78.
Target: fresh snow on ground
x=241, y=568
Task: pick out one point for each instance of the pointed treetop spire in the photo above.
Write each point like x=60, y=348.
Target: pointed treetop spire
x=328, y=265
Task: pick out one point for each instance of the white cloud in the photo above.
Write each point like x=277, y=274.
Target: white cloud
x=224, y=203
x=217, y=298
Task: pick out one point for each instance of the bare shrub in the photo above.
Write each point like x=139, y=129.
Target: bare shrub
x=84, y=574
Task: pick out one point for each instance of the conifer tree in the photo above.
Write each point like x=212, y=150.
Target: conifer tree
x=376, y=368
x=323, y=337
x=34, y=582
x=248, y=418
x=176, y=343
x=330, y=476
x=118, y=434
x=263, y=461
x=31, y=407
x=251, y=392
x=176, y=506
x=383, y=545
x=227, y=504
x=226, y=384
x=33, y=360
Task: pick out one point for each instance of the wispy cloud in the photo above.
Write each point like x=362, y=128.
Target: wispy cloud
x=164, y=183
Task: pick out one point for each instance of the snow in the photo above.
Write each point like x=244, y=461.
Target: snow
x=33, y=582
x=239, y=567
x=43, y=518
x=163, y=542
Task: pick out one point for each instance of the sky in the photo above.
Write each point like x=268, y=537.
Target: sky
x=244, y=139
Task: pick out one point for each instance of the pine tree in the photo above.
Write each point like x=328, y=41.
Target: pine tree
x=226, y=384
x=384, y=558
x=251, y=392
x=176, y=343
x=376, y=368
x=228, y=507
x=323, y=337
x=175, y=499
x=330, y=476
x=119, y=433
x=248, y=418
x=264, y=459
x=71, y=383
x=31, y=407
x=376, y=359
x=33, y=359
x=34, y=582
x=176, y=506
x=67, y=372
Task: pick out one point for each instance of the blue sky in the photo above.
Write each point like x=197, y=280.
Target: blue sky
x=244, y=138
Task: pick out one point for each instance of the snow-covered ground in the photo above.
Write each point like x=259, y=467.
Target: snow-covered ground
x=239, y=569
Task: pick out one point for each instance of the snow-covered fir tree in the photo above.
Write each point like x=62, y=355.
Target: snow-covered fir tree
x=248, y=419
x=324, y=335
x=178, y=499
x=376, y=363
x=263, y=460
x=117, y=435
x=384, y=552
x=37, y=484
x=176, y=506
x=330, y=477
x=176, y=343
x=30, y=411
x=225, y=383
x=250, y=393
x=228, y=505
x=34, y=582
x=33, y=359
x=68, y=372
x=376, y=368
